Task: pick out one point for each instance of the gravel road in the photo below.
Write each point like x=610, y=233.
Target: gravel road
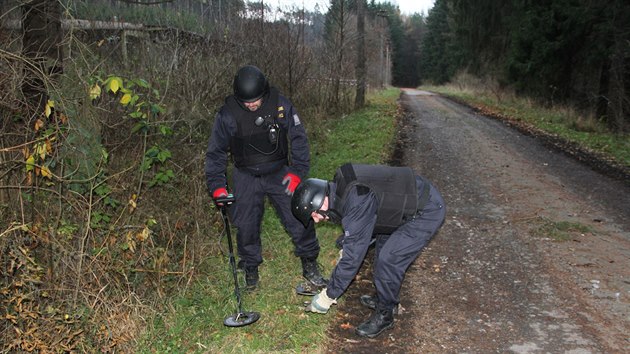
x=534, y=256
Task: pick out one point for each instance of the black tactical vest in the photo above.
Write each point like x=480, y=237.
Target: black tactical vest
x=395, y=189
x=251, y=145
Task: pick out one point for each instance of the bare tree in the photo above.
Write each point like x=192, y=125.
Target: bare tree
x=336, y=35
x=359, y=100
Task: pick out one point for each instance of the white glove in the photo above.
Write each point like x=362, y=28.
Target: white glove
x=340, y=256
x=320, y=303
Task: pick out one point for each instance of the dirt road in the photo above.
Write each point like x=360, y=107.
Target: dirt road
x=534, y=256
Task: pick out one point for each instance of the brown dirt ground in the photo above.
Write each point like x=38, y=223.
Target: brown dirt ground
x=494, y=279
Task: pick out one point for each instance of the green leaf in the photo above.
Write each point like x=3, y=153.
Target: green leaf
x=153, y=152
x=164, y=155
x=112, y=202
x=142, y=125
x=27, y=196
x=67, y=229
x=30, y=163
x=146, y=164
x=156, y=108
x=142, y=83
x=96, y=218
x=102, y=190
x=104, y=154
x=166, y=131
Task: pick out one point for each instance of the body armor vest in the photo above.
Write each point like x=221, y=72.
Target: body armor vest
x=395, y=189
x=254, y=142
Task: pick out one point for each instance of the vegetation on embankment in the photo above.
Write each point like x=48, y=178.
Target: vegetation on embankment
x=194, y=320
x=579, y=135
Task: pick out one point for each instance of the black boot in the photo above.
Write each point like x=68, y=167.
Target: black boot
x=310, y=271
x=251, y=277
x=371, y=301
x=380, y=320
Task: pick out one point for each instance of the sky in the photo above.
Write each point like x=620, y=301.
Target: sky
x=407, y=7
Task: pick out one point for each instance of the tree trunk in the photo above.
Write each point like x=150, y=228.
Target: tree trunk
x=618, y=106
x=41, y=27
x=339, y=53
x=601, y=106
x=618, y=116
x=359, y=100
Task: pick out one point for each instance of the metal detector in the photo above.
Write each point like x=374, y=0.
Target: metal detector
x=240, y=318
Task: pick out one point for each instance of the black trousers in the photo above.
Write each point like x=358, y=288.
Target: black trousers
x=247, y=212
x=394, y=253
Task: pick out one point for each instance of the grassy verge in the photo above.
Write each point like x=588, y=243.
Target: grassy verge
x=559, y=230
x=195, y=322
x=559, y=121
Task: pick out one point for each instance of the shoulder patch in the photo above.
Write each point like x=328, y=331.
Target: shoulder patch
x=296, y=119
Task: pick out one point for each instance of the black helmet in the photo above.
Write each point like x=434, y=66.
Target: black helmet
x=308, y=197
x=250, y=84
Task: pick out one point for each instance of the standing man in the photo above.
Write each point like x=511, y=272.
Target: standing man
x=401, y=209
x=269, y=148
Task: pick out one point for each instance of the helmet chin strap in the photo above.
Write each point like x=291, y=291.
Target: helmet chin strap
x=244, y=107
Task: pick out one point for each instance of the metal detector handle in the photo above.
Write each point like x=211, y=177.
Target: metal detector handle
x=229, y=199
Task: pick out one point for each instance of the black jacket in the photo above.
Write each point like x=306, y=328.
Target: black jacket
x=358, y=219
x=225, y=128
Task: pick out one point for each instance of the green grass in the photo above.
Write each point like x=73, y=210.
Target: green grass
x=560, y=230
x=195, y=322
x=561, y=121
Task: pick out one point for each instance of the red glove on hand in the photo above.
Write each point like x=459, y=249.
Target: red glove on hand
x=292, y=181
x=218, y=193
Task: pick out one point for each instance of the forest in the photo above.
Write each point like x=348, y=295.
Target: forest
x=106, y=107
x=557, y=52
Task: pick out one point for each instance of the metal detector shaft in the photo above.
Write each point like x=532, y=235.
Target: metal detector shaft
x=224, y=202
x=240, y=318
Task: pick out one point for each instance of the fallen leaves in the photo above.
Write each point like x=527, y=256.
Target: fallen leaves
x=346, y=325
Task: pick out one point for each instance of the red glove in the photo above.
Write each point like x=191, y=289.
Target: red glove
x=218, y=193
x=292, y=181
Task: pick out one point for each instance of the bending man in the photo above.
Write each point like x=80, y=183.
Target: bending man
x=402, y=210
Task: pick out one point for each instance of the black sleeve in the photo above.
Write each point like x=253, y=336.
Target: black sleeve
x=358, y=220
x=298, y=140
x=216, y=154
